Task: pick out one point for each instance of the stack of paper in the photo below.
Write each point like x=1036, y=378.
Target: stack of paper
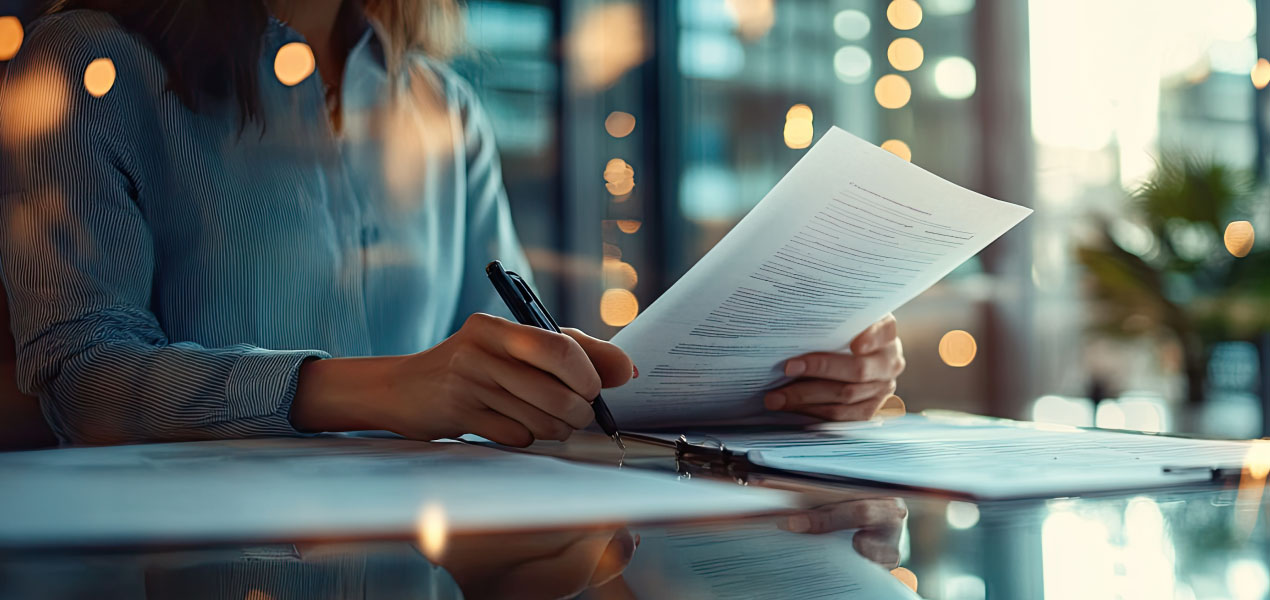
x=332, y=487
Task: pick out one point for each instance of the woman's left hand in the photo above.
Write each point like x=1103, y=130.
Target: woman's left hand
x=840, y=386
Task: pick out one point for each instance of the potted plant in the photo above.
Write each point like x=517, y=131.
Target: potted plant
x=1181, y=263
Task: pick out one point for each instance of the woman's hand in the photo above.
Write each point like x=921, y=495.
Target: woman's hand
x=840, y=386
x=879, y=522
x=507, y=382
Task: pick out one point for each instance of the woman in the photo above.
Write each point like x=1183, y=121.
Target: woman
x=212, y=243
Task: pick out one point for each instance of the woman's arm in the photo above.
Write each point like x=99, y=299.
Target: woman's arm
x=77, y=258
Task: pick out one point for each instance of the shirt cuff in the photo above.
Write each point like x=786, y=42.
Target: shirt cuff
x=262, y=384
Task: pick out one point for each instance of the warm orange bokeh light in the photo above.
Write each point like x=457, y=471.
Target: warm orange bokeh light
x=799, y=130
x=608, y=41
x=904, y=14
x=629, y=225
x=906, y=577
x=618, y=274
x=753, y=17
x=905, y=54
x=99, y=77
x=35, y=103
x=1239, y=238
x=294, y=63
x=433, y=531
x=892, y=407
x=619, y=177
x=892, y=91
x=10, y=37
x=619, y=124
x=618, y=307
x=898, y=148
x=1261, y=73
x=957, y=348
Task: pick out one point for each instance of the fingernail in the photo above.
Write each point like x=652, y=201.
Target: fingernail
x=634, y=372
x=774, y=401
x=799, y=524
x=795, y=367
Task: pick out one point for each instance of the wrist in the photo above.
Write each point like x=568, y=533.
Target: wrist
x=342, y=394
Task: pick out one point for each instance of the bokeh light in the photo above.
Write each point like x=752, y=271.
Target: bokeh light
x=892, y=91
x=851, y=24
x=35, y=102
x=294, y=63
x=754, y=18
x=957, y=348
x=1239, y=238
x=955, y=78
x=892, y=407
x=99, y=77
x=619, y=177
x=904, y=14
x=898, y=148
x=629, y=225
x=619, y=124
x=906, y=577
x=618, y=307
x=799, y=130
x=607, y=42
x=433, y=531
x=852, y=64
x=905, y=54
x=961, y=515
x=619, y=274
x=1261, y=73
x=10, y=37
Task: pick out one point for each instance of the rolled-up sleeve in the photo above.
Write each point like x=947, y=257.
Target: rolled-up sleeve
x=77, y=259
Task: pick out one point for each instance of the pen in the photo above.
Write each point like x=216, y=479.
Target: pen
x=528, y=310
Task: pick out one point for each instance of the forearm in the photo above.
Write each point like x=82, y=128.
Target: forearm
x=344, y=394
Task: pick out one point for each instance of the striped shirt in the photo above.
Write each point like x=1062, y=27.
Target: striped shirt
x=168, y=276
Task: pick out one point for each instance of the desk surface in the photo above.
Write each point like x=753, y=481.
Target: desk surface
x=1182, y=543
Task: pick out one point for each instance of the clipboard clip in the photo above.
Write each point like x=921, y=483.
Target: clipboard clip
x=708, y=457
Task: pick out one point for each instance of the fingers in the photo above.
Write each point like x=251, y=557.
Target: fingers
x=808, y=392
x=502, y=430
x=886, y=363
x=876, y=336
x=541, y=425
x=879, y=546
x=544, y=392
x=612, y=364
x=859, y=411
x=872, y=513
x=555, y=353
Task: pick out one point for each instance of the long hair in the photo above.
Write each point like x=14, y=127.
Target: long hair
x=211, y=48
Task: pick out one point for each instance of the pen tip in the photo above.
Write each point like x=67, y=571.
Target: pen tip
x=617, y=439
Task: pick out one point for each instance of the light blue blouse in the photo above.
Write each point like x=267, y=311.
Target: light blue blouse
x=168, y=276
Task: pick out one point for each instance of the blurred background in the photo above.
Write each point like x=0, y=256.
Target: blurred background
x=634, y=134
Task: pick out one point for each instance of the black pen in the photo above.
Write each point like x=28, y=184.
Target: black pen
x=528, y=310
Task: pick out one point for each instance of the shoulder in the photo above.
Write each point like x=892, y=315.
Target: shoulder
x=453, y=86
x=77, y=34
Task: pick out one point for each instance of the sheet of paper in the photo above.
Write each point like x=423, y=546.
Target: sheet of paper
x=756, y=561
x=332, y=487
x=849, y=234
x=989, y=459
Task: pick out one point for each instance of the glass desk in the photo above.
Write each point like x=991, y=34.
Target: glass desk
x=1207, y=542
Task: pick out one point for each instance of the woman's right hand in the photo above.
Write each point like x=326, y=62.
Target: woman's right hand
x=507, y=382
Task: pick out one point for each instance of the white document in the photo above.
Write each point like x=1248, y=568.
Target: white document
x=985, y=458
x=332, y=487
x=756, y=561
x=851, y=233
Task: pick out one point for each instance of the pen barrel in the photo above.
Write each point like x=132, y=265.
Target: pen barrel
x=603, y=417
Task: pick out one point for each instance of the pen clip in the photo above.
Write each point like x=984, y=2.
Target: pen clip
x=535, y=305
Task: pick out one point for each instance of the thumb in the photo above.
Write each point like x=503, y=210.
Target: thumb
x=613, y=365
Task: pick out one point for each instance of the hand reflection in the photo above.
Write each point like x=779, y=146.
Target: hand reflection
x=879, y=521
x=547, y=565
